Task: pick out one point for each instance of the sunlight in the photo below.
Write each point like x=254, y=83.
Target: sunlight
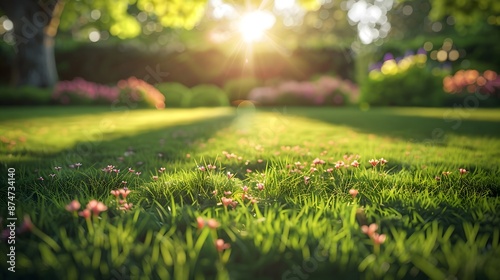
x=253, y=25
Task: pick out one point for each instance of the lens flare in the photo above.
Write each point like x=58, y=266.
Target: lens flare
x=253, y=25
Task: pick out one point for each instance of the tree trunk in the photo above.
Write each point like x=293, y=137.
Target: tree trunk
x=35, y=25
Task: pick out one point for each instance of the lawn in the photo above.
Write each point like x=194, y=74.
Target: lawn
x=277, y=193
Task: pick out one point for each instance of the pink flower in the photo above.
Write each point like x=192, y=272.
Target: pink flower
x=27, y=225
x=227, y=201
x=227, y=193
x=212, y=224
x=40, y=178
x=373, y=162
x=339, y=164
x=201, y=222
x=138, y=173
x=462, y=171
x=229, y=175
x=96, y=207
x=249, y=170
x=116, y=193
x=317, y=161
x=212, y=167
x=378, y=238
x=245, y=189
x=369, y=230
x=131, y=170
x=155, y=177
x=383, y=161
x=124, y=192
x=446, y=173
x=260, y=186
x=85, y=213
x=220, y=245
x=214, y=192
x=353, y=193
x=126, y=206
x=161, y=169
x=73, y=206
x=201, y=168
x=329, y=170
x=306, y=179
x=354, y=163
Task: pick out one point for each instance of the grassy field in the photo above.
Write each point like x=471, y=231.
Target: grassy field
x=251, y=194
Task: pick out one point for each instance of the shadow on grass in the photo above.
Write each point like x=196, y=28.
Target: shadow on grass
x=408, y=126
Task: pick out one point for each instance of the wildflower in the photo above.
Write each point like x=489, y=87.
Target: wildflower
x=306, y=179
x=378, y=238
x=212, y=167
x=160, y=155
x=155, y=177
x=226, y=201
x=462, y=171
x=201, y=168
x=373, y=162
x=313, y=169
x=116, y=171
x=317, y=161
x=85, y=213
x=214, y=192
x=138, y=173
x=369, y=230
x=260, y=160
x=57, y=168
x=446, y=173
x=188, y=155
x=354, y=163
x=260, y=186
x=212, y=224
x=244, y=188
x=116, y=193
x=229, y=175
x=201, y=222
x=437, y=178
x=131, y=170
x=329, y=170
x=52, y=175
x=339, y=164
x=124, y=182
x=220, y=245
x=227, y=193
x=73, y=206
x=383, y=161
x=78, y=165
x=96, y=207
x=161, y=169
x=27, y=225
x=40, y=178
x=353, y=193
x=126, y=206
x=249, y=170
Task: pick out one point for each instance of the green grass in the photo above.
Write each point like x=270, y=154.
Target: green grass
x=302, y=225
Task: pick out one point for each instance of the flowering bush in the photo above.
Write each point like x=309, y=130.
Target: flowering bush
x=403, y=82
x=471, y=81
x=79, y=91
x=141, y=93
x=326, y=91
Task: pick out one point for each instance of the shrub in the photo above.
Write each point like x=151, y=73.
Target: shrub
x=465, y=83
x=25, y=95
x=176, y=94
x=238, y=89
x=326, y=91
x=140, y=93
x=403, y=83
x=81, y=92
x=208, y=96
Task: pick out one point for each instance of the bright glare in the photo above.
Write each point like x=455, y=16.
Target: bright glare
x=253, y=25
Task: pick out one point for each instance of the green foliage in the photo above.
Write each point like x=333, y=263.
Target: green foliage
x=464, y=12
x=435, y=228
x=25, y=95
x=415, y=85
x=239, y=88
x=208, y=96
x=176, y=94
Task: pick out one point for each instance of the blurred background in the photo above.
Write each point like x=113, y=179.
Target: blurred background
x=271, y=53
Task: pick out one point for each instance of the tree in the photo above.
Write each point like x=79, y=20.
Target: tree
x=36, y=23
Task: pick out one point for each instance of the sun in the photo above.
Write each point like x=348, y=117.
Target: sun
x=253, y=25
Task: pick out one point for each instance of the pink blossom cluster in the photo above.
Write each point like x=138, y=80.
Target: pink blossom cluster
x=472, y=81
x=325, y=91
x=140, y=91
x=64, y=91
